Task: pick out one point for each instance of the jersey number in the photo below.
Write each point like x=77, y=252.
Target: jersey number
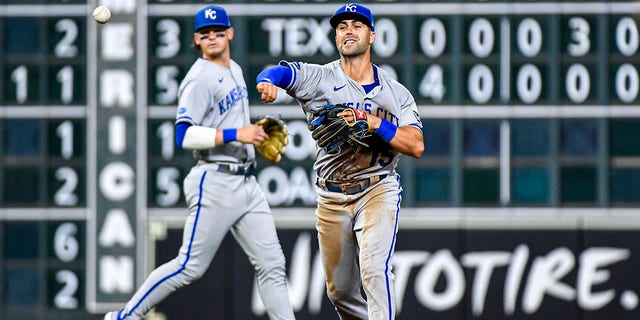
x=383, y=158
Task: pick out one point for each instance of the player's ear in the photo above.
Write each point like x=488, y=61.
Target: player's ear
x=372, y=37
x=196, y=38
x=230, y=33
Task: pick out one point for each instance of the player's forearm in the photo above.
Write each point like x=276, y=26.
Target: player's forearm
x=278, y=75
x=408, y=140
x=197, y=137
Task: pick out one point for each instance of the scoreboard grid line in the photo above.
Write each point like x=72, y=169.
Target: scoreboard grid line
x=39, y=10
x=456, y=111
x=413, y=9
x=293, y=111
x=43, y=112
x=33, y=10
x=460, y=218
x=449, y=217
x=43, y=214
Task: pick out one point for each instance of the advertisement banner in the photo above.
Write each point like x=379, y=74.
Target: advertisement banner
x=442, y=274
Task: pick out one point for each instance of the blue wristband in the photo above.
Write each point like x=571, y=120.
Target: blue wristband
x=386, y=131
x=229, y=135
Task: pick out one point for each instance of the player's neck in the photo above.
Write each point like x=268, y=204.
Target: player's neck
x=223, y=59
x=358, y=68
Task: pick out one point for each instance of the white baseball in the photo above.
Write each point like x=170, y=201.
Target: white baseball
x=101, y=14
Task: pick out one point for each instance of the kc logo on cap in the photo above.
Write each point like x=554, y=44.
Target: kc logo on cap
x=353, y=11
x=352, y=7
x=211, y=16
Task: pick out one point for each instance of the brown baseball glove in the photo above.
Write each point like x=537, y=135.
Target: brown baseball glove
x=273, y=148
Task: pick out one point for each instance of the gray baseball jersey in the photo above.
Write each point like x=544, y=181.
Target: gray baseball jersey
x=315, y=85
x=213, y=96
x=357, y=229
x=210, y=105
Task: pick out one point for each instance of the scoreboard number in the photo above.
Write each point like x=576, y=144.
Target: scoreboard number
x=580, y=41
x=627, y=83
x=65, y=299
x=64, y=131
x=66, y=47
x=168, y=38
x=167, y=83
x=578, y=83
x=65, y=196
x=66, y=248
x=627, y=36
x=20, y=77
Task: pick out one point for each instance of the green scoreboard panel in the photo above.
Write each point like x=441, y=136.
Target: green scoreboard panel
x=529, y=105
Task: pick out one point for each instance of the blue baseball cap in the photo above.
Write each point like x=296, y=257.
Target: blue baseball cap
x=211, y=16
x=353, y=11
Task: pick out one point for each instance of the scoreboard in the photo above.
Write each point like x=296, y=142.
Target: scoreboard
x=529, y=107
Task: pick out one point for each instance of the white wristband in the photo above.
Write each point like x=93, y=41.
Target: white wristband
x=198, y=137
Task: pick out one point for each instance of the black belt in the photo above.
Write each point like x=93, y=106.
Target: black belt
x=349, y=187
x=235, y=169
x=232, y=168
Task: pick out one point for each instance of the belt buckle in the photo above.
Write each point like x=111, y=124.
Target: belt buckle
x=364, y=184
x=343, y=188
x=225, y=168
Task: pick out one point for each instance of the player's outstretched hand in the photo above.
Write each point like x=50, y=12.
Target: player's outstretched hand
x=253, y=134
x=268, y=91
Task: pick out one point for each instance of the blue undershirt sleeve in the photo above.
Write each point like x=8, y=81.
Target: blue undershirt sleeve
x=181, y=130
x=277, y=75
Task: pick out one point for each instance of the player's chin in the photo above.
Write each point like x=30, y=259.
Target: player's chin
x=351, y=51
x=213, y=50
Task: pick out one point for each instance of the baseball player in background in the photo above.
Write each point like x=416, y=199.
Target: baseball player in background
x=359, y=191
x=221, y=193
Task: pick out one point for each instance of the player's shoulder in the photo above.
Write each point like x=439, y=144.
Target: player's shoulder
x=198, y=75
x=201, y=68
x=298, y=65
x=335, y=64
x=234, y=65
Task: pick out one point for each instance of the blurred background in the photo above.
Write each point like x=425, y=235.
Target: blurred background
x=525, y=204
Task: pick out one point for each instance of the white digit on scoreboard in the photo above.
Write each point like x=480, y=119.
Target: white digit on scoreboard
x=578, y=83
x=169, y=38
x=433, y=40
x=386, y=43
x=529, y=37
x=20, y=76
x=66, y=194
x=627, y=83
x=65, y=78
x=580, y=31
x=480, y=83
x=627, y=36
x=481, y=37
x=168, y=186
x=167, y=83
x=529, y=83
x=66, y=47
x=66, y=248
x=166, y=132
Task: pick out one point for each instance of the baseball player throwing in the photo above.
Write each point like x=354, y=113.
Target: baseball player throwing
x=221, y=194
x=359, y=191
